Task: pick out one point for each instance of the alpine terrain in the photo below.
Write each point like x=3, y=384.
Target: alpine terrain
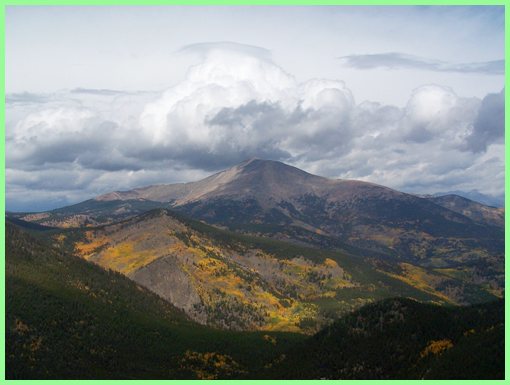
x=318, y=275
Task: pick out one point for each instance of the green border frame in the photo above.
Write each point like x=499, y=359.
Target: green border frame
x=6, y=3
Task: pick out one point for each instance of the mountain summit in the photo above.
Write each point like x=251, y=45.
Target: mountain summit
x=254, y=177
x=262, y=180
x=403, y=231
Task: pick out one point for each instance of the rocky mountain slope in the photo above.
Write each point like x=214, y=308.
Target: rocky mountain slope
x=230, y=286
x=241, y=282
x=411, y=237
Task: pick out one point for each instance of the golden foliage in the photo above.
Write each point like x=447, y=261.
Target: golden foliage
x=270, y=339
x=21, y=327
x=36, y=344
x=421, y=279
x=59, y=238
x=209, y=365
x=278, y=294
x=93, y=244
x=436, y=347
x=330, y=263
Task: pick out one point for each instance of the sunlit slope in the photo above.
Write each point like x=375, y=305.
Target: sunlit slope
x=67, y=318
x=240, y=282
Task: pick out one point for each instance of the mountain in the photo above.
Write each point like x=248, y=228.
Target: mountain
x=403, y=339
x=478, y=212
x=267, y=180
x=220, y=282
x=239, y=282
x=67, y=318
x=410, y=237
x=474, y=195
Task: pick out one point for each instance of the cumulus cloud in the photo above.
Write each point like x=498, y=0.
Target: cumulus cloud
x=236, y=103
x=396, y=60
x=437, y=112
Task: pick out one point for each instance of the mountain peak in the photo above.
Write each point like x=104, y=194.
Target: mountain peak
x=267, y=166
x=254, y=177
x=272, y=176
x=258, y=162
x=250, y=160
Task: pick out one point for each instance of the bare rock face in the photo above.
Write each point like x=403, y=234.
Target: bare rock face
x=284, y=201
x=167, y=278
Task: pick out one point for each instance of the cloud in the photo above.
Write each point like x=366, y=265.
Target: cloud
x=207, y=48
x=395, y=61
x=489, y=125
x=437, y=112
x=234, y=104
x=25, y=97
x=237, y=103
x=93, y=91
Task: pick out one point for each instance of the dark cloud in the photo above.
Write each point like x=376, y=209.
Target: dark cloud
x=249, y=130
x=95, y=138
x=489, y=126
x=419, y=134
x=395, y=60
x=264, y=129
x=263, y=115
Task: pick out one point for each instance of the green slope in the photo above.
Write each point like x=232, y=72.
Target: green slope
x=67, y=318
x=403, y=339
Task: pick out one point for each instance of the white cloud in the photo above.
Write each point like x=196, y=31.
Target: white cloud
x=434, y=111
x=237, y=103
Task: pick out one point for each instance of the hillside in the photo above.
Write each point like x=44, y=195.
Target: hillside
x=67, y=318
x=70, y=319
x=403, y=339
x=478, y=212
x=241, y=282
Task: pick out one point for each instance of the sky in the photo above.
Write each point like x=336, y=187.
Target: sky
x=111, y=98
